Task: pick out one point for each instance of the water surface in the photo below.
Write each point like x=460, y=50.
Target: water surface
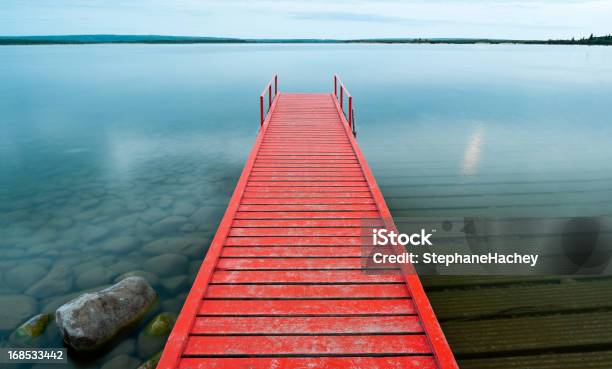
x=115, y=155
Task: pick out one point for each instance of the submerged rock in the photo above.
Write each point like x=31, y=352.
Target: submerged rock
x=15, y=308
x=150, y=277
x=31, y=329
x=121, y=244
x=94, y=277
x=169, y=224
x=57, y=282
x=121, y=362
x=23, y=276
x=93, y=319
x=127, y=347
x=175, y=284
x=154, y=335
x=152, y=362
x=183, y=208
x=167, y=264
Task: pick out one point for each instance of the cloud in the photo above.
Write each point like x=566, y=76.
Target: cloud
x=346, y=17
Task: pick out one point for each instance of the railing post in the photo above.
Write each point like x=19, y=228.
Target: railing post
x=261, y=110
x=336, y=86
x=270, y=96
x=275, y=85
x=350, y=112
x=341, y=97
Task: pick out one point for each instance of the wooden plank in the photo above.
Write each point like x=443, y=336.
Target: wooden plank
x=307, y=190
x=289, y=263
x=299, y=241
x=294, y=231
x=307, y=307
x=537, y=334
x=304, y=276
x=309, y=207
x=581, y=360
x=306, y=325
x=387, y=362
x=306, y=173
x=522, y=299
x=309, y=223
x=307, y=215
x=306, y=291
x=269, y=178
x=308, y=201
x=346, y=184
x=438, y=282
x=293, y=251
x=241, y=346
x=305, y=195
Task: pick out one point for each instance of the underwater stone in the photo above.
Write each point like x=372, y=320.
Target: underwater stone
x=122, y=244
x=121, y=362
x=23, y=276
x=15, y=309
x=93, y=319
x=167, y=265
x=175, y=284
x=31, y=329
x=149, y=277
x=169, y=224
x=154, y=335
x=152, y=362
x=57, y=282
x=94, y=277
x=183, y=208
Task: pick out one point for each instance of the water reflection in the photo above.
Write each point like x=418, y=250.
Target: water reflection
x=472, y=153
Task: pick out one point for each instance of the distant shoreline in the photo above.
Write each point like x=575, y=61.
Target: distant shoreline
x=155, y=39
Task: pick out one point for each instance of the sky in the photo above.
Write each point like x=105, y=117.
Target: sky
x=517, y=19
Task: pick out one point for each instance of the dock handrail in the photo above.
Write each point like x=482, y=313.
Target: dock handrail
x=344, y=91
x=268, y=90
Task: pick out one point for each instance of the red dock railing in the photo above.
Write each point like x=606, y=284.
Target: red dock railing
x=267, y=90
x=344, y=92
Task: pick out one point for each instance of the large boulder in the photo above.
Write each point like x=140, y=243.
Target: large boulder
x=93, y=319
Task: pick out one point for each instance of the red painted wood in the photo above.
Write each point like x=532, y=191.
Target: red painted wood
x=306, y=307
x=388, y=362
x=282, y=282
x=289, y=263
x=288, y=232
x=291, y=251
x=306, y=291
x=307, y=215
x=307, y=325
x=309, y=223
x=308, y=201
x=304, y=276
x=309, y=207
x=306, y=345
x=302, y=241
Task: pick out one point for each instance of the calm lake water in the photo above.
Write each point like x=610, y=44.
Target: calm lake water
x=121, y=158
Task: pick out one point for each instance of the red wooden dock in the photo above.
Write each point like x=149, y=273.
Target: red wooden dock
x=282, y=284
